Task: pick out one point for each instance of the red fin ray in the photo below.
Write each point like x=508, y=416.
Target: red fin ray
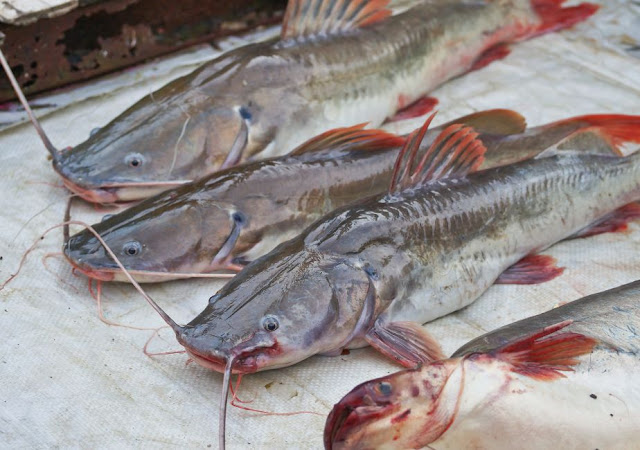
x=613, y=222
x=418, y=108
x=312, y=17
x=408, y=343
x=544, y=355
x=454, y=153
x=353, y=138
x=556, y=17
x=616, y=129
x=532, y=269
x=495, y=53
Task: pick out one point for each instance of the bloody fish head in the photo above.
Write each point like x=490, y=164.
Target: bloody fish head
x=408, y=409
x=161, y=238
x=279, y=311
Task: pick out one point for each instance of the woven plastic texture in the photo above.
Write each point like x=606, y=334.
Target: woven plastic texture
x=69, y=380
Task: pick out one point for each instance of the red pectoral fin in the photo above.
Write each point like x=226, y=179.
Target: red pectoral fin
x=613, y=222
x=416, y=109
x=532, y=269
x=405, y=342
x=493, y=54
x=544, y=355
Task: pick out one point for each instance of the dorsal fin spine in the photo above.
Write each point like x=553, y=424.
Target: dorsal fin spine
x=456, y=152
x=304, y=18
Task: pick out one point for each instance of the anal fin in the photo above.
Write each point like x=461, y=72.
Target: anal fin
x=490, y=55
x=408, y=343
x=416, y=109
x=532, y=269
x=544, y=355
x=615, y=221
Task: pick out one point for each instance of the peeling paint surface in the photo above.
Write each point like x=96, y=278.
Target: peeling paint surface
x=69, y=380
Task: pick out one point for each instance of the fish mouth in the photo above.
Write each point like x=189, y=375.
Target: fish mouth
x=352, y=412
x=100, y=275
x=141, y=276
x=246, y=361
x=96, y=195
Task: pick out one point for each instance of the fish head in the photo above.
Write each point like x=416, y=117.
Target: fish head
x=158, y=143
x=139, y=236
x=279, y=311
x=408, y=409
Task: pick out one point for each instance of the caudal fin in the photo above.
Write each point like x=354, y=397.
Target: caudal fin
x=612, y=129
x=556, y=17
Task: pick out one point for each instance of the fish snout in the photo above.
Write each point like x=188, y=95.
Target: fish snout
x=362, y=405
x=79, y=186
x=80, y=249
x=212, y=350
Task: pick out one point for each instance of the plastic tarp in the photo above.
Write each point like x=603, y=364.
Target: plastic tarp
x=69, y=380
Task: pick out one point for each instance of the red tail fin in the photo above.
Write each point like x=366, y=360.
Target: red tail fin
x=544, y=354
x=616, y=129
x=555, y=17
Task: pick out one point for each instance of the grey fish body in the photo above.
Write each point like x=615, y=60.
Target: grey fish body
x=278, y=197
x=264, y=99
x=453, y=238
x=410, y=257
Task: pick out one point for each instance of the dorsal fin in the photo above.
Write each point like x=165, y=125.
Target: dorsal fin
x=503, y=122
x=316, y=17
x=454, y=153
x=353, y=138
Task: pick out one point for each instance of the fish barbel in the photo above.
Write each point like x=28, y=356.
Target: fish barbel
x=337, y=63
x=562, y=379
x=237, y=215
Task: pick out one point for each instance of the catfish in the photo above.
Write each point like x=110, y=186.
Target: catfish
x=221, y=222
x=337, y=63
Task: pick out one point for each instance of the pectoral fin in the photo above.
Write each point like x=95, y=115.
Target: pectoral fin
x=405, y=342
x=613, y=222
x=532, y=269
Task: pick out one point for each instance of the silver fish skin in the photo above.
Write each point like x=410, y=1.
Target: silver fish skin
x=404, y=258
x=264, y=99
x=483, y=397
x=276, y=198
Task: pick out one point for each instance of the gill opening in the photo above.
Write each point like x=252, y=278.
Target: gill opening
x=55, y=153
x=238, y=146
x=220, y=260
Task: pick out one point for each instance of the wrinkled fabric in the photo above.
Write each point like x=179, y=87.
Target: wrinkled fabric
x=69, y=380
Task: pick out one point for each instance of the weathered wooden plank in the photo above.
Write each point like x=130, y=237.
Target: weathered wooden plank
x=101, y=37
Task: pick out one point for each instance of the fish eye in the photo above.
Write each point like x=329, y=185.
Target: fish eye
x=270, y=323
x=134, y=160
x=384, y=388
x=106, y=217
x=245, y=113
x=94, y=131
x=132, y=248
x=238, y=218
